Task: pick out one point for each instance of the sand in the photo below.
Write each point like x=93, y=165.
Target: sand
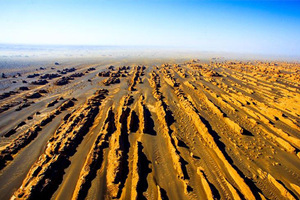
x=151, y=129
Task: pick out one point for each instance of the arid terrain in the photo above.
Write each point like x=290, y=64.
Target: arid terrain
x=151, y=130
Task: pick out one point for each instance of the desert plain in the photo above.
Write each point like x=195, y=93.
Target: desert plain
x=151, y=129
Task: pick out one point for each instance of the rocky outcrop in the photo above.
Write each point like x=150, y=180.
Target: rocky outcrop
x=178, y=161
x=140, y=171
x=34, y=95
x=28, y=136
x=111, y=80
x=47, y=172
x=95, y=157
x=62, y=81
x=50, y=76
x=191, y=111
x=117, y=167
x=7, y=94
x=138, y=72
x=40, y=82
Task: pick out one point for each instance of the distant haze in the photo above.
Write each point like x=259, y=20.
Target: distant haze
x=250, y=27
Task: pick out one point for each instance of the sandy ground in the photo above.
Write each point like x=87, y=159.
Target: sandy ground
x=145, y=129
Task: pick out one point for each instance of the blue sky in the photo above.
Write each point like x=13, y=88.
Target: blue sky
x=268, y=27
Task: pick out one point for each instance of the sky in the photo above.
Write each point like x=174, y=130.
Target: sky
x=265, y=27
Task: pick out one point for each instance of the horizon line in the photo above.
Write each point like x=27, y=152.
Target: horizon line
x=185, y=49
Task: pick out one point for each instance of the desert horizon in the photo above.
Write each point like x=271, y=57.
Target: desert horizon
x=158, y=100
